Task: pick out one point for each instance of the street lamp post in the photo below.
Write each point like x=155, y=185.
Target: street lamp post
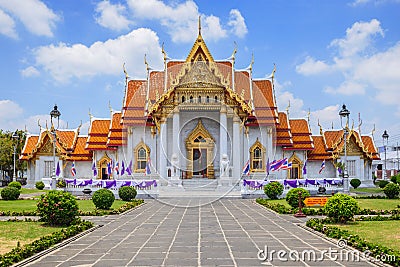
x=55, y=113
x=344, y=113
x=385, y=137
x=15, y=136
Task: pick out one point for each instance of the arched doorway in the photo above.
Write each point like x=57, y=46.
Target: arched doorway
x=200, y=152
x=102, y=168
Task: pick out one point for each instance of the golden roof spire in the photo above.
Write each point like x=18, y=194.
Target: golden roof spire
x=320, y=128
x=199, y=25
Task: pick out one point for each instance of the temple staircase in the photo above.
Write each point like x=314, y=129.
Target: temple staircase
x=200, y=184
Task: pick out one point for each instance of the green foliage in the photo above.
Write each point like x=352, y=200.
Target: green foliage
x=292, y=197
x=395, y=179
x=7, y=144
x=273, y=190
x=382, y=183
x=375, y=250
x=355, y=183
x=15, y=184
x=103, y=199
x=341, y=208
x=127, y=206
x=45, y=242
x=392, y=190
x=39, y=185
x=10, y=193
x=61, y=183
x=127, y=193
x=57, y=208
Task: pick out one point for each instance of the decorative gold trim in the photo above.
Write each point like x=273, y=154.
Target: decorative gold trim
x=296, y=162
x=257, y=144
x=100, y=164
x=139, y=146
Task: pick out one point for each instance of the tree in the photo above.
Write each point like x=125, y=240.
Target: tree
x=7, y=144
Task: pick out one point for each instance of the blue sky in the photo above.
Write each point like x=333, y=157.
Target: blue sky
x=327, y=53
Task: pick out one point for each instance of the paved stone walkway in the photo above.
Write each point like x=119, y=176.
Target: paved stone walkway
x=188, y=232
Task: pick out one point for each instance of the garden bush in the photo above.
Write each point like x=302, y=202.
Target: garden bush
x=392, y=190
x=341, y=208
x=61, y=183
x=355, y=183
x=15, y=184
x=103, y=199
x=10, y=193
x=292, y=196
x=39, y=185
x=382, y=183
x=395, y=179
x=127, y=193
x=57, y=208
x=273, y=190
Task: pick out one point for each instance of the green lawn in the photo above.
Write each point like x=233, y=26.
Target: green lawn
x=31, y=191
x=24, y=232
x=380, y=232
x=30, y=205
x=373, y=190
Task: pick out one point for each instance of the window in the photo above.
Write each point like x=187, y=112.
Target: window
x=208, y=99
x=351, y=168
x=257, y=152
x=216, y=99
x=191, y=99
x=295, y=171
x=48, y=168
x=142, y=154
x=199, y=98
x=183, y=99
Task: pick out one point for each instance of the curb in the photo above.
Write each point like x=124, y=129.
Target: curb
x=55, y=247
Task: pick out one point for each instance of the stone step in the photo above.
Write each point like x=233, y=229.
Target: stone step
x=199, y=184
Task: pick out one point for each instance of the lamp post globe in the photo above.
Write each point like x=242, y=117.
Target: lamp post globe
x=385, y=137
x=55, y=113
x=344, y=114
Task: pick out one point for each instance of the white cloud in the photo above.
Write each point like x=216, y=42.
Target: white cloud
x=30, y=72
x=357, y=3
x=34, y=14
x=364, y=69
x=311, y=66
x=326, y=117
x=358, y=38
x=111, y=16
x=181, y=20
x=64, y=61
x=236, y=21
x=7, y=25
x=347, y=88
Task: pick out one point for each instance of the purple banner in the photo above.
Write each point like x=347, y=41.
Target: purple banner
x=291, y=183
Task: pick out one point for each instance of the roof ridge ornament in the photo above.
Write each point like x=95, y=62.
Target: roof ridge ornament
x=199, y=25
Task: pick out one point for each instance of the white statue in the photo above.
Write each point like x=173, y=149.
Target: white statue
x=224, y=170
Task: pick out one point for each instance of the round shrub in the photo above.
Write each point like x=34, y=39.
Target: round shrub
x=127, y=193
x=273, y=190
x=383, y=183
x=395, y=179
x=15, y=184
x=61, y=183
x=10, y=193
x=341, y=208
x=292, y=197
x=355, y=183
x=103, y=199
x=39, y=185
x=57, y=208
x=392, y=190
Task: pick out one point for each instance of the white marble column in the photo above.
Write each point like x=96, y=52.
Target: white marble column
x=163, y=149
x=175, y=159
x=223, y=139
x=236, y=153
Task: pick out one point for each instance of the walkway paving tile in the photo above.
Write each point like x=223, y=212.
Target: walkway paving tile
x=194, y=232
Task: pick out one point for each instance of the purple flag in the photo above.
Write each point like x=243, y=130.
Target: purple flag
x=129, y=168
x=268, y=166
x=122, y=168
x=58, y=170
x=94, y=169
x=305, y=168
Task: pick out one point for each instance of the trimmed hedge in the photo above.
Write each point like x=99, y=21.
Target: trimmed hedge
x=127, y=193
x=10, y=193
x=273, y=190
x=39, y=185
x=292, y=197
x=57, y=208
x=355, y=183
x=20, y=253
x=15, y=184
x=103, y=199
x=392, y=190
x=383, y=183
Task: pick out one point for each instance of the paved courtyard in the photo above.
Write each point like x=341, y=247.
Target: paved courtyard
x=193, y=232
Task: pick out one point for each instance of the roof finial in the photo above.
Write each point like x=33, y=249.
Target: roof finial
x=234, y=52
x=287, y=109
x=125, y=72
x=359, y=123
x=90, y=116
x=308, y=117
x=199, y=24
x=320, y=128
x=110, y=107
x=373, y=131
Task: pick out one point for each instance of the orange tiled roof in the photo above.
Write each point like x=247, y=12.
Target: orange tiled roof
x=134, y=104
x=115, y=133
x=264, y=104
x=30, y=144
x=301, y=135
x=283, y=133
x=67, y=138
x=319, y=152
x=98, y=134
x=80, y=153
x=370, y=146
